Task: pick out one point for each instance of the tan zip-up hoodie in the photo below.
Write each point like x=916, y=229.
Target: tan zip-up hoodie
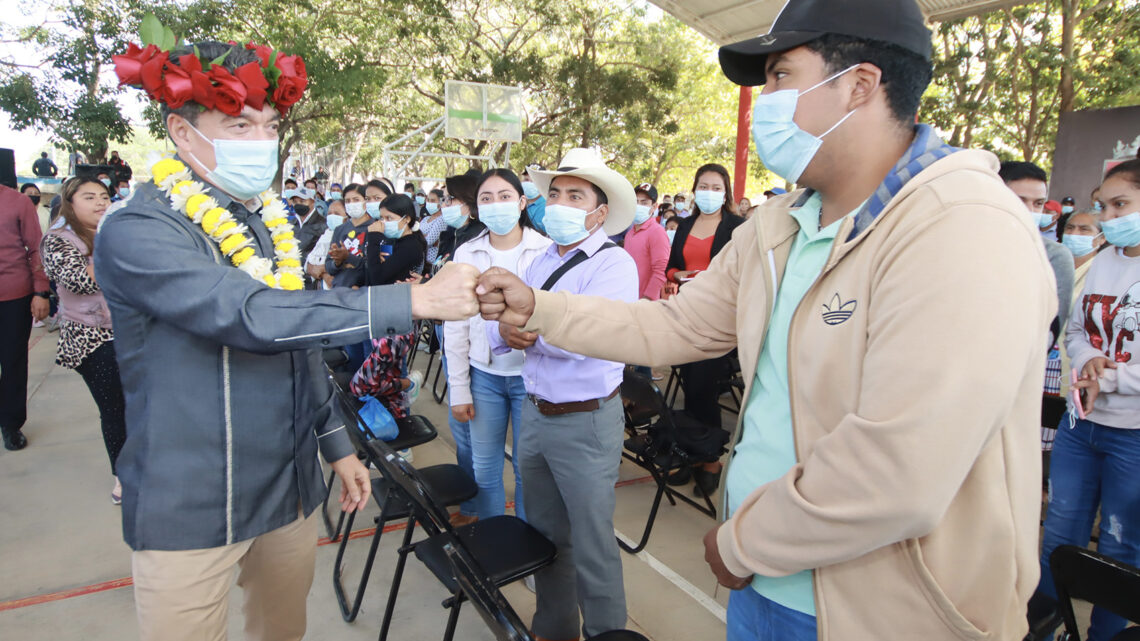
x=915, y=367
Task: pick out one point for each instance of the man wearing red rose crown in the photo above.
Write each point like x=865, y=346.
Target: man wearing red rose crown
x=227, y=401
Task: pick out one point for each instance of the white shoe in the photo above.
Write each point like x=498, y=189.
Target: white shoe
x=37, y=323
x=417, y=378
x=407, y=455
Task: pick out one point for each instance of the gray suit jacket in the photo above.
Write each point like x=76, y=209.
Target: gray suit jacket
x=226, y=395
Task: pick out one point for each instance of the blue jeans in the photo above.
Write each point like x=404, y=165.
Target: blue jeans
x=460, y=431
x=752, y=617
x=497, y=399
x=1093, y=465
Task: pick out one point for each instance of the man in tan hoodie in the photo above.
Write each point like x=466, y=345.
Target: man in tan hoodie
x=884, y=479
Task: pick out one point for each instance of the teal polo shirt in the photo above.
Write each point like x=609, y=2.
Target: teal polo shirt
x=766, y=450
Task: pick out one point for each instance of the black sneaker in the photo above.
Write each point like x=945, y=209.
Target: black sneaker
x=15, y=441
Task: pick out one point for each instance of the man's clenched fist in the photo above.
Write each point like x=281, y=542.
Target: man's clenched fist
x=449, y=295
x=505, y=297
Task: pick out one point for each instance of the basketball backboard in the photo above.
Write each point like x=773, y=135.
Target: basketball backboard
x=477, y=111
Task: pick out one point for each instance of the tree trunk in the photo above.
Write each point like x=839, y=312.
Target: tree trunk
x=1069, y=17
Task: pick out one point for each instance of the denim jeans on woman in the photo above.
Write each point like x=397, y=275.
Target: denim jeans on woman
x=497, y=400
x=1093, y=466
x=752, y=617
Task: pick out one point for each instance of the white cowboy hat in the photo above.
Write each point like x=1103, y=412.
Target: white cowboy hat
x=587, y=165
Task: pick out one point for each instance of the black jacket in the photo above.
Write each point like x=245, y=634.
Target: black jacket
x=407, y=258
x=728, y=223
x=451, y=238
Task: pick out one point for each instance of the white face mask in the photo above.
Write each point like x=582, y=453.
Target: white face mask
x=354, y=210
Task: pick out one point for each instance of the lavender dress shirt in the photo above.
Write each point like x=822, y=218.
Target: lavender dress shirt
x=556, y=375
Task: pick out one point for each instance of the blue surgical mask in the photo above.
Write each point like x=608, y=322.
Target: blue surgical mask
x=530, y=190
x=335, y=195
x=106, y=182
x=392, y=229
x=354, y=209
x=420, y=200
x=332, y=221
x=245, y=168
x=782, y=146
x=431, y=207
x=641, y=214
x=1123, y=231
x=373, y=209
x=708, y=201
x=680, y=206
x=1079, y=245
x=124, y=191
x=453, y=216
x=566, y=225
x=670, y=233
x=1043, y=220
x=501, y=217
x=1066, y=209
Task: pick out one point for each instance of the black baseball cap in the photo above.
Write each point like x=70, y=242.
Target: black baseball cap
x=648, y=190
x=898, y=22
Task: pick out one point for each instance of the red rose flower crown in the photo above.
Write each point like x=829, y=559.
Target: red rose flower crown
x=278, y=79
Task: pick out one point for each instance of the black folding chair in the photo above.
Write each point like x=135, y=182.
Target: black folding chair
x=1105, y=582
x=505, y=546
x=413, y=431
x=449, y=483
x=662, y=441
x=497, y=613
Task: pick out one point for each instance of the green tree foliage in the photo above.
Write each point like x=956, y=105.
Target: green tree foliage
x=64, y=91
x=1002, y=79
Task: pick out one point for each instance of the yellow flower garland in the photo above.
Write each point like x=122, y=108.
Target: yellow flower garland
x=190, y=197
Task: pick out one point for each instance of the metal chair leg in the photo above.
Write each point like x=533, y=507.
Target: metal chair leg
x=397, y=576
x=349, y=614
x=332, y=532
x=437, y=395
x=649, y=523
x=453, y=617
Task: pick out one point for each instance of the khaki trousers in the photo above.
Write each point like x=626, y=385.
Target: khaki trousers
x=183, y=595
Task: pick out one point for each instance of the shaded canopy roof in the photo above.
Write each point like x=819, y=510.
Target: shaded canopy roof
x=725, y=21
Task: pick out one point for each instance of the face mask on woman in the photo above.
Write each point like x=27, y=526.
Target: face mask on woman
x=501, y=218
x=354, y=210
x=335, y=195
x=431, y=208
x=373, y=209
x=392, y=229
x=1123, y=231
x=420, y=200
x=708, y=201
x=453, y=216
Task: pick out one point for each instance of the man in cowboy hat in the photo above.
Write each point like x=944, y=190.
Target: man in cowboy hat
x=882, y=485
x=571, y=439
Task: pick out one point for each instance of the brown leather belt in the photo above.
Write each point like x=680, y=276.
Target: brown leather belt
x=547, y=408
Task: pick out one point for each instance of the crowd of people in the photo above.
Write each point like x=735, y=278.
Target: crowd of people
x=885, y=472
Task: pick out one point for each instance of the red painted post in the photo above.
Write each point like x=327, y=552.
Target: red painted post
x=743, y=139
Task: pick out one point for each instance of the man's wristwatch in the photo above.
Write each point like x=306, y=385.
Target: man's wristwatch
x=44, y=294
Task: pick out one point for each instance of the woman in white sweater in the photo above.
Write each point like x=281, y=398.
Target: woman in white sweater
x=1096, y=459
x=487, y=389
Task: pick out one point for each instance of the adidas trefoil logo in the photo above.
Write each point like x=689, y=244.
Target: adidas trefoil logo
x=837, y=311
